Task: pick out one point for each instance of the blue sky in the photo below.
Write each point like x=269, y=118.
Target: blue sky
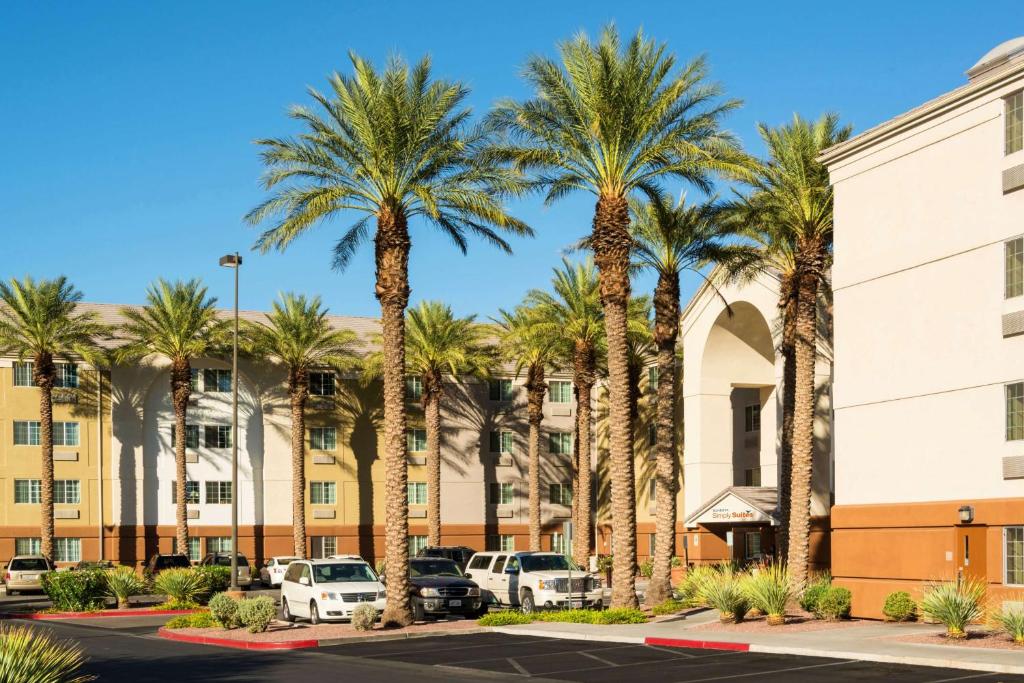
x=128, y=127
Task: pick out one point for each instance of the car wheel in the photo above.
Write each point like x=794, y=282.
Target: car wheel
x=526, y=603
x=418, y=613
x=314, y=613
x=482, y=611
x=286, y=613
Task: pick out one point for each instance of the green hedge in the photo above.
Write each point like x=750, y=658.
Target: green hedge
x=76, y=591
x=899, y=606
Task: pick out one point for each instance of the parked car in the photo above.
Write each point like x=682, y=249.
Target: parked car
x=272, y=571
x=92, y=564
x=161, y=561
x=25, y=572
x=459, y=554
x=328, y=590
x=439, y=587
x=531, y=580
x=224, y=560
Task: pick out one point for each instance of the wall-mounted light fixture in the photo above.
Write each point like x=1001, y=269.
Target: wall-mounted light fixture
x=966, y=513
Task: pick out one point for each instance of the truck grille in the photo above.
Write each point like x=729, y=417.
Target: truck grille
x=358, y=597
x=453, y=591
x=578, y=585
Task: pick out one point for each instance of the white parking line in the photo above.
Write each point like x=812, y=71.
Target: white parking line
x=688, y=658
x=517, y=666
x=598, y=659
x=765, y=673
x=547, y=654
x=442, y=649
x=964, y=678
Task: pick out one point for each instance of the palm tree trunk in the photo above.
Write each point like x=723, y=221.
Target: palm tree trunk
x=392, y=258
x=583, y=379
x=611, y=243
x=787, y=308
x=44, y=372
x=666, y=332
x=298, y=390
x=535, y=388
x=181, y=388
x=432, y=415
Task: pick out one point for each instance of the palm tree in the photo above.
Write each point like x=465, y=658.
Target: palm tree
x=389, y=147
x=789, y=215
x=529, y=346
x=613, y=121
x=38, y=321
x=573, y=316
x=299, y=337
x=179, y=323
x=669, y=238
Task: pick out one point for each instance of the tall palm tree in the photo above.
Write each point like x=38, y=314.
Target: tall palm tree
x=789, y=215
x=530, y=347
x=388, y=147
x=299, y=337
x=38, y=321
x=669, y=238
x=614, y=120
x=179, y=322
x=574, y=318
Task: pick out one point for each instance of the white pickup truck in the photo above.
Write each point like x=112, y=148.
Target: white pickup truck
x=530, y=580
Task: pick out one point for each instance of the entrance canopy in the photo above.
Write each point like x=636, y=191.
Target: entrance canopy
x=738, y=505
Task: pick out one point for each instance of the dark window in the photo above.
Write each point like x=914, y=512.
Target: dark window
x=499, y=565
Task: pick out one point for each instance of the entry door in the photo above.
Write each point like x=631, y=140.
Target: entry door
x=970, y=552
x=498, y=580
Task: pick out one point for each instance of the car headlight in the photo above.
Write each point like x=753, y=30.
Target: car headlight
x=328, y=596
x=381, y=594
x=473, y=592
x=598, y=584
x=546, y=585
x=429, y=593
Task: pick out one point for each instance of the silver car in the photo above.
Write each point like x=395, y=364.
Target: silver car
x=25, y=573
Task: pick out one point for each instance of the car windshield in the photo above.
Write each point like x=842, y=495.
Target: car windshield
x=544, y=563
x=29, y=564
x=168, y=561
x=225, y=561
x=336, y=573
x=433, y=568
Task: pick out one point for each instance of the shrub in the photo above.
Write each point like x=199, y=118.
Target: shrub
x=567, y=616
x=1012, y=622
x=31, y=656
x=171, y=606
x=768, y=590
x=201, y=620
x=123, y=583
x=725, y=594
x=180, y=621
x=224, y=609
x=76, y=591
x=955, y=604
x=834, y=604
x=363, y=617
x=619, y=615
x=507, y=618
x=257, y=613
x=691, y=590
x=647, y=568
x=813, y=592
x=217, y=578
x=670, y=606
x=899, y=606
x=605, y=563
x=181, y=586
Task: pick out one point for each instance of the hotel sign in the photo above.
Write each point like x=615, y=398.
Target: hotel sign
x=733, y=510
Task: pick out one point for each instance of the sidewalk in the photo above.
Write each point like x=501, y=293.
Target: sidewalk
x=871, y=641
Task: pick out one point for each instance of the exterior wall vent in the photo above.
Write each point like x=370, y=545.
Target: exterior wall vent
x=65, y=514
x=1013, y=179
x=323, y=514
x=323, y=459
x=193, y=513
x=417, y=459
x=65, y=456
x=1013, y=467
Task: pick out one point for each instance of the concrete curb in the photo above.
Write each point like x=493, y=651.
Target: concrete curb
x=43, y=616
x=171, y=634
x=326, y=642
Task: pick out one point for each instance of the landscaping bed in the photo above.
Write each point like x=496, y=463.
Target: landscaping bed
x=991, y=640
x=795, y=623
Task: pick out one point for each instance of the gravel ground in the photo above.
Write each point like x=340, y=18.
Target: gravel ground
x=795, y=624
x=281, y=632
x=990, y=640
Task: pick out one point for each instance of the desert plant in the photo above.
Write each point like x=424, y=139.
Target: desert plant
x=257, y=613
x=363, y=617
x=725, y=594
x=813, y=592
x=955, y=604
x=224, y=609
x=202, y=619
x=122, y=583
x=670, y=606
x=508, y=618
x=77, y=591
x=646, y=568
x=1012, y=622
x=834, y=604
x=692, y=587
x=31, y=656
x=217, y=578
x=768, y=590
x=179, y=621
x=899, y=606
x=181, y=586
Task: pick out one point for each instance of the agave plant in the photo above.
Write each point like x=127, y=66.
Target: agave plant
x=123, y=583
x=31, y=656
x=768, y=590
x=1011, y=621
x=955, y=604
x=181, y=586
x=725, y=593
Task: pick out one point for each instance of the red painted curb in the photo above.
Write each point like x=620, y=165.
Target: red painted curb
x=698, y=644
x=43, y=616
x=237, y=644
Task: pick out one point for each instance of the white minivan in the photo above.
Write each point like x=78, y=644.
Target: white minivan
x=329, y=590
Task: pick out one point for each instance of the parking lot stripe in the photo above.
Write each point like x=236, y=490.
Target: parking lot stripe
x=690, y=658
x=964, y=678
x=770, y=671
x=557, y=652
x=599, y=659
x=517, y=666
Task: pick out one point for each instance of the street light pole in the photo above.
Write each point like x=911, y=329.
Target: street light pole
x=234, y=261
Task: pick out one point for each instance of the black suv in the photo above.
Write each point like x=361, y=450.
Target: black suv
x=459, y=554
x=162, y=561
x=439, y=587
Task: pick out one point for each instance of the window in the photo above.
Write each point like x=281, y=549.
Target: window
x=217, y=436
x=216, y=381
x=23, y=375
x=652, y=378
x=505, y=543
x=560, y=391
x=416, y=440
x=1014, y=111
x=196, y=381
x=1015, y=411
x=558, y=543
x=560, y=443
x=321, y=383
x=27, y=546
x=191, y=436
x=323, y=438
x=1013, y=558
x=413, y=388
x=416, y=544
x=218, y=492
x=501, y=389
x=67, y=491
x=652, y=542
x=323, y=546
x=1013, y=273
x=652, y=435
x=193, y=545
x=499, y=565
x=652, y=490
x=26, y=432
x=501, y=442
x=27, y=491
x=218, y=544
x=67, y=549
x=417, y=492
x=191, y=494
x=501, y=494
x=480, y=562
x=67, y=376
x=323, y=493
x=752, y=418
x=752, y=545
x=752, y=476
x=65, y=433
x=560, y=494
